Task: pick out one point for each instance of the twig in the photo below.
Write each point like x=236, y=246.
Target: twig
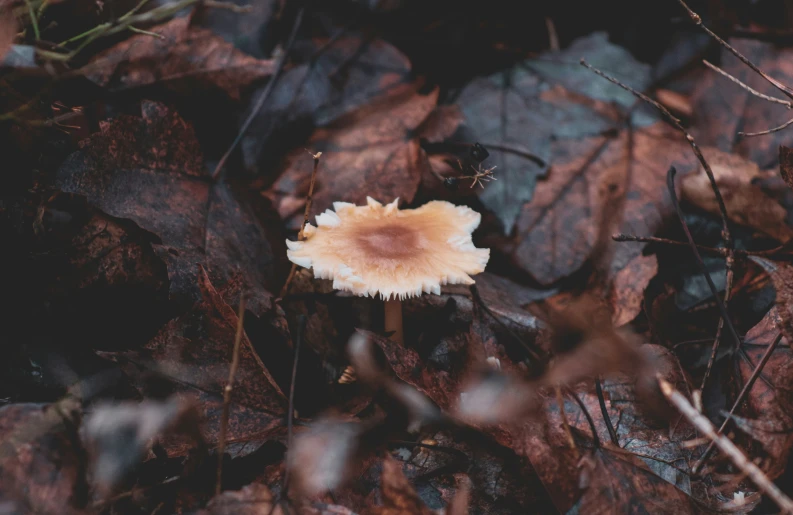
x=279, y=67
x=747, y=87
x=146, y=32
x=670, y=184
x=33, y=20
x=711, y=250
x=224, y=422
x=738, y=400
x=595, y=437
x=301, y=325
x=306, y=214
x=767, y=131
x=565, y=424
x=605, y=412
x=738, y=458
x=698, y=21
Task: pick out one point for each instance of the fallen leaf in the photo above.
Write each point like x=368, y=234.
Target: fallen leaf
x=746, y=202
x=627, y=294
x=557, y=230
x=8, y=32
x=246, y=30
x=193, y=352
x=253, y=499
x=336, y=78
x=516, y=112
x=786, y=164
x=150, y=170
x=184, y=58
x=370, y=152
x=617, y=482
x=722, y=109
x=41, y=467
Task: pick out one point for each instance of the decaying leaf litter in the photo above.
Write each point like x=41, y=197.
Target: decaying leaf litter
x=625, y=350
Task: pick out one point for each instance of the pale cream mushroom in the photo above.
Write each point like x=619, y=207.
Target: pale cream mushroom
x=397, y=254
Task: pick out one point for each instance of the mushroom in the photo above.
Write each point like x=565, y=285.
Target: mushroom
x=397, y=254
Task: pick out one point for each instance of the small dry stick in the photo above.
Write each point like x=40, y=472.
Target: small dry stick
x=224, y=422
x=301, y=327
x=741, y=396
x=738, y=458
x=754, y=92
x=605, y=412
x=565, y=424
x=306, y=214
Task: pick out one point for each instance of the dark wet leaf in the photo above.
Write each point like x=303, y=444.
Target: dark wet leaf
x=41, y=463
x=617, y=482
x=521, y=110
x=184, y=59
x=248, y=31
x=118, y=436
x=193, y=354
x=786, y=164
x=150, y=170
x=370, y=152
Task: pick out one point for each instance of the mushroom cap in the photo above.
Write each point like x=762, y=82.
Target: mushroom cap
x=376, y=249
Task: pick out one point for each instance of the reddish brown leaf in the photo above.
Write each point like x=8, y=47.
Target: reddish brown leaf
x=338, y=78
x=786, y=164
x=745, y=201
x=194, y=353
x=769, y=408
x=8, y=31
x=557, y=230
x=627, y=294
x=184, y=58
x=150, y=170
x=41, y=468
x=370, y=152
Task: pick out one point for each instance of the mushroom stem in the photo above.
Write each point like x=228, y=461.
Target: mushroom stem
x=393, y=319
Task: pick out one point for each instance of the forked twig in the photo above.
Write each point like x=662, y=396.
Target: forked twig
x=224, y=421
x=738, y=458
x=306, y=214
x=738, y=400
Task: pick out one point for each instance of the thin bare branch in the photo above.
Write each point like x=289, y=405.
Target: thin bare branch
x=306, y=214
x=224, y=422
x=768, y=131
x=738, y=458
x=754, y=92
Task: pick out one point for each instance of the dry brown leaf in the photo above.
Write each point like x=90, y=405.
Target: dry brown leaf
x=746, y=202
x=184, y=58
x=372, y=152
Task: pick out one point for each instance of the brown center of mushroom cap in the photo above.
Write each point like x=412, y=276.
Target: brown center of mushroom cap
x=392, y=241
